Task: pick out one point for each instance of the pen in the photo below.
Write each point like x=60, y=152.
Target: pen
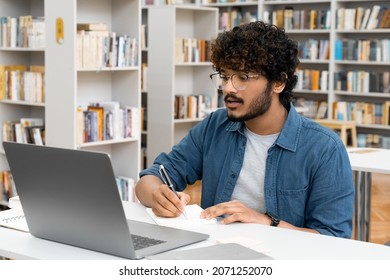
x=167, y=181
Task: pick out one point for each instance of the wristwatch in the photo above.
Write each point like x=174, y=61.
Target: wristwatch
x=274, y=220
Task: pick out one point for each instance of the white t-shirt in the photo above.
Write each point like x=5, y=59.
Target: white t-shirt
x=249, y=188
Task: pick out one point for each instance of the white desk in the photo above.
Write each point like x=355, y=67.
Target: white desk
x=364, y=162
x=281, y=243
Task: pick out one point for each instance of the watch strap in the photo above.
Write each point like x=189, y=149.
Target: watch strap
x=274, y=220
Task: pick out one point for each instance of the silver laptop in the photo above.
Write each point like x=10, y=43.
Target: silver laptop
x=70, y=196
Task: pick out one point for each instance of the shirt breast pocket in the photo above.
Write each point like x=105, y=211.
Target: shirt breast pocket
x=292, y=201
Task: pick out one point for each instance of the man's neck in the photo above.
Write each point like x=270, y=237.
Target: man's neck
x=270, y=123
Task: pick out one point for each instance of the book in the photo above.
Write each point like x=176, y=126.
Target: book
x=37, y=134
x=373, y=19
x=126, y=188
x=97, y=26
x=113, y=50
x=114, y=122
x=20, y=135
x=3, y=82
x=385, y=20
x=100, y=120
x=322, y=110
x=315, y=78
x=92, y=47
x=5, y=79
x=191, y=219
x=359, y=17
x=31, y=122
x=132, y=122
x=386, y=113
x=366, y=16
x=338, y=50
x=80, y=125
x=7, y=185
x=32, y=88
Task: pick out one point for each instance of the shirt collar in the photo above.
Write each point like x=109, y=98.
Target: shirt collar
x=288, y=138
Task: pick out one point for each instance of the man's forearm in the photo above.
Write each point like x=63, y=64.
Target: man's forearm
x=145, y=187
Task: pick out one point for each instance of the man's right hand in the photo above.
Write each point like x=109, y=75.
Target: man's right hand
x=165, y=203
x=153, y=193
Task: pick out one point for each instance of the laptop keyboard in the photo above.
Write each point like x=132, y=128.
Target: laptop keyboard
x=141, y=242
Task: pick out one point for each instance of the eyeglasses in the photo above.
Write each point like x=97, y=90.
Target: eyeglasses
x=239, y=81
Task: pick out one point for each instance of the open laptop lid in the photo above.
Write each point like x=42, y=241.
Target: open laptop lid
x=71, y=196
x=66, y=194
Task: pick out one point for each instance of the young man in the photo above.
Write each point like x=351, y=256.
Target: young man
x=258, y=159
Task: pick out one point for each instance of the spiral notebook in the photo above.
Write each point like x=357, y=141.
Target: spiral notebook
x=14, y=218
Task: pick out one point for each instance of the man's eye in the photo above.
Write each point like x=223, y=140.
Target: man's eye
x=224, y=78
x=243, y=78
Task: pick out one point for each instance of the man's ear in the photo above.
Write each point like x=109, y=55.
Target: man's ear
x=278, y=86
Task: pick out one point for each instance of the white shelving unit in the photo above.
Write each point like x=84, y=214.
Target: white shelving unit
x=166, y=78
x=14, y=110
x=144, y=56
x=68, y=86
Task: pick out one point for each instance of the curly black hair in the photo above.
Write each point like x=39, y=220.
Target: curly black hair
x=260, y=48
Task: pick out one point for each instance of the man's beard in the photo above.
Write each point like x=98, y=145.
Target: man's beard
x=258, y=107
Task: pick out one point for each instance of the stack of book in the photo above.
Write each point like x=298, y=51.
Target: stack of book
x=25, y=130
x=361, y=18
x=19, y=84
x=97, y=47
x=107, y=121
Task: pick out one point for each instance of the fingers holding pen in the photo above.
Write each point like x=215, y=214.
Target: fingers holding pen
x=168, y=203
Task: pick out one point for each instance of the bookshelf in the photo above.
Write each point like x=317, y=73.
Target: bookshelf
x=146, y=4
x=315, y=65
x=232, y=13
x=314, y=39
x=144, y=77
x=168, y=78
x=372, y=128
x=70, y=85
x=13, y=109
x=338, y=25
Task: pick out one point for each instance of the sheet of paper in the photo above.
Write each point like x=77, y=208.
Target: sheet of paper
x=14, y=218
x=14, y=202
x=192, y=218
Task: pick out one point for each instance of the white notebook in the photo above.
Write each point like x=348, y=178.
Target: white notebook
x=191, y=218
x=14, y=218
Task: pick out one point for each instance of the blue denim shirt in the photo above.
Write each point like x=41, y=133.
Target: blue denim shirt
x=308, y=177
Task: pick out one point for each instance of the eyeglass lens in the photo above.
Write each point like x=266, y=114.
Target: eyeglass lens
x=238, y=82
